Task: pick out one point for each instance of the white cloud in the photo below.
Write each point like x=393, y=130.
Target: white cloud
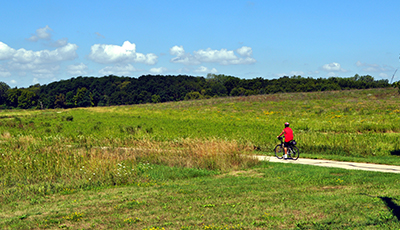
x=223, y=56
x=4, y=72
x=220, y=56
x=44, y=34
x=40, y=71
x=77, y=69
x=333, y=67
x=35, y=81
x=41, y=64
x=182, y=57
x=245, y=51
x=177, y=51
x=45, y=71
x=6, y=52
x=183, y=70
x=41, y=33
x=67, y=52
x=301, y=73
x=292, y=73
x=59, y=42
x=373, y=67
x=119, y=69
x=149, y=59
x=203, y=69
x=159, y=70
x=383, y=75
x=103, y=53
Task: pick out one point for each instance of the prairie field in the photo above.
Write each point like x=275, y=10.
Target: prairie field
x=186, y=165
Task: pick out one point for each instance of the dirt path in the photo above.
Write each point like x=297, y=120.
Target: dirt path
x=337, y=164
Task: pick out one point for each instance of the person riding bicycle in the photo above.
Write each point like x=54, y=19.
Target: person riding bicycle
x=288, y=132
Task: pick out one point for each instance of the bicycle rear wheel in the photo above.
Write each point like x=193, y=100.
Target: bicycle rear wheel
x=295, y=153
x=279, y=151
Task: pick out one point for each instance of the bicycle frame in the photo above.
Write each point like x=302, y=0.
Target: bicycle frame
x=283, y=144
x=291, y=150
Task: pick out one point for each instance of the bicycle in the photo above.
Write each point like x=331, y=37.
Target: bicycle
x=292, y=151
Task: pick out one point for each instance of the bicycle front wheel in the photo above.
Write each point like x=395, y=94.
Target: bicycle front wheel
x=295, y=153
x=279, y=151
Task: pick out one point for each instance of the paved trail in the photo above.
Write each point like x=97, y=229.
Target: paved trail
x=337, y=164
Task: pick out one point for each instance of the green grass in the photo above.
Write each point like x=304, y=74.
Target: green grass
x=357, y=123
x=184, y=165
x=269, y=196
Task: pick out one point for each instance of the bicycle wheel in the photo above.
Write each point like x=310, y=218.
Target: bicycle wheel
x=295, y=153
x=279, y=151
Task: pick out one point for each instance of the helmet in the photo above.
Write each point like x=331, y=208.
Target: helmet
x=287, y=124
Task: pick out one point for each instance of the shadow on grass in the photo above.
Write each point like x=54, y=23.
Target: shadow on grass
x=392, y=206
x=395, y=152
x=332, y=224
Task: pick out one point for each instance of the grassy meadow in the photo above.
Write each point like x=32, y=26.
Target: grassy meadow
x=185, y=165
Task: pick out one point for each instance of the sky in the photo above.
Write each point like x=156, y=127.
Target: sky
x=43, y=41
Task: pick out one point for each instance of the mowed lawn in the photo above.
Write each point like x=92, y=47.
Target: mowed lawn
x=269, y=196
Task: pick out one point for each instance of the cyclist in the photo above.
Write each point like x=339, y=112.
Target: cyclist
x=288, y=132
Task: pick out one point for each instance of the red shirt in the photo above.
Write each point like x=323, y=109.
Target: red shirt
x=288, y=134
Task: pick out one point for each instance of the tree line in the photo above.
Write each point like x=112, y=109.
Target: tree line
x=115, y=90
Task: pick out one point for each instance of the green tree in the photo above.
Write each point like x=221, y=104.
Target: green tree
x=3, y=92
x=60, y=101
x=231, y=83
x=83, y=98
x=104, y=101
x=155, y=98
x=96, y=98
x=119, y=98
x=27, y=99
x=69, y=99
x=12, y=98
x=396, y=85
x=193, y=96
x=216, y=89
x=238, y=91
x=144, y=97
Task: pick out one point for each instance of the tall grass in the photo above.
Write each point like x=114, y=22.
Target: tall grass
x=352, y=123
x=48, y=151
x=30, y=167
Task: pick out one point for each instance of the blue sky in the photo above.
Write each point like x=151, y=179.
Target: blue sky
x=44, y=41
